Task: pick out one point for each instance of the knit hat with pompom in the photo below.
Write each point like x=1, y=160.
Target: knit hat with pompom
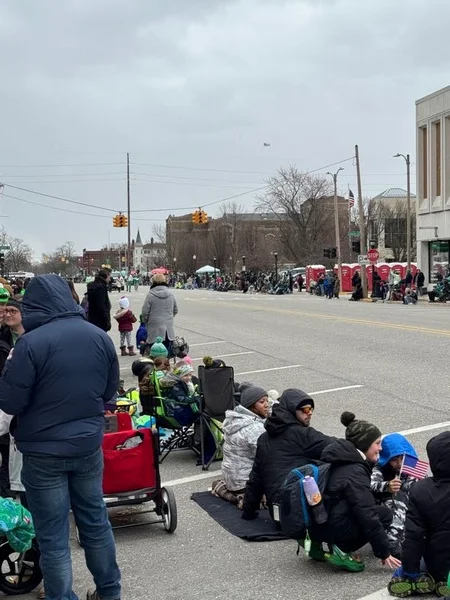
x=158, y=348
x=360, y=433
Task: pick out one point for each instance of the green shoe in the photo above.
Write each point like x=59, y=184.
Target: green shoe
x=316, y=552
x=344, y=561
x=442, y=589
x=401, y=587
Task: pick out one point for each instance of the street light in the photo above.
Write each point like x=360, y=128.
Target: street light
x=194, y=258
x=215, y=275
x=275, y=255
x=408, y=207
x=243, y=264
x=336, y=222
x=175, y=266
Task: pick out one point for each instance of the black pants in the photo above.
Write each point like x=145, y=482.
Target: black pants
x=4, y=469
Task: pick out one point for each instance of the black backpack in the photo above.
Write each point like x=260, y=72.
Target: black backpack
x=295, y=513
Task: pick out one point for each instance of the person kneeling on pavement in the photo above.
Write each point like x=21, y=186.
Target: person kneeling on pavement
x=354, y=518
x=391, y=487
x=288, y=442
x=426, y=549
x=241, y=429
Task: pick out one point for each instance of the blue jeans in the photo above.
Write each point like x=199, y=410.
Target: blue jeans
x=54, y=485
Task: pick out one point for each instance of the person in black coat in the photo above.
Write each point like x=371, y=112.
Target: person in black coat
x=288, y=442
x=354, y=519
x=419, y=280
x=427, y=529
x=99, y=310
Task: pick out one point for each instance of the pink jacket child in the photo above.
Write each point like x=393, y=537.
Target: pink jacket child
x=125, y=319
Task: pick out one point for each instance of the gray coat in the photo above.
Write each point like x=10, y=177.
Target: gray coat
x=158, y=312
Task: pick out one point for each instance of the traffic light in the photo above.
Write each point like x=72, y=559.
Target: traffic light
x=123, y=221
x=199, y=217
x=116, y=221
x=195, y=217
x=327, y=252
x=333, y=252
x=356, y=246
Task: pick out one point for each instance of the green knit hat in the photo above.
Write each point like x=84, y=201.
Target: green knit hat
x=360, y=433
x=158, y=349
x=4, y=295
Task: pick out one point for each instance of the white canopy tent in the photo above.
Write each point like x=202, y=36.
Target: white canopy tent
x=206, y=269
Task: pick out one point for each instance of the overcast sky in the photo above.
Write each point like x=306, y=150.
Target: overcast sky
x=199, y=86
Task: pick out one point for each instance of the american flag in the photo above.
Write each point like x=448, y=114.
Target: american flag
x=351, y=199
x=414, y=467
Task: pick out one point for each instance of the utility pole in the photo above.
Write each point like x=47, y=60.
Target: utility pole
x=336, y=223
x=129, y=214
x=408, y=207
x=362, y=224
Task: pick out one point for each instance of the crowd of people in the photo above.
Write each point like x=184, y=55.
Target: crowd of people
x=52, y=420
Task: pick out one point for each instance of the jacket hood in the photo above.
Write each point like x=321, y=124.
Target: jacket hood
x=160, y=291
x=438, y=450
x=393, y=445
x=283, y=414
x=341, y=452
x=48, y=297
x=238, y=419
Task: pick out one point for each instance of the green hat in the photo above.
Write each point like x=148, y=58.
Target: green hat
x=360, y=433
x=158, y=349
x=4, y=295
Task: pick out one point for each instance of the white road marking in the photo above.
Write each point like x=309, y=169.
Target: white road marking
x=271, y=369
x=380, y=595
x=209, y=343
x=192, y=478
x=228, y=355
x=442, y=425
x=339, y=389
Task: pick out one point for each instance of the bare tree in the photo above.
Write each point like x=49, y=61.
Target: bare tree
x=387, y=221
x=20, y=255
x=297, y=200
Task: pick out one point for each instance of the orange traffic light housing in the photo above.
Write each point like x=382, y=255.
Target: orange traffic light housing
x=116, y=221
x=124, y=221
x=195, y=217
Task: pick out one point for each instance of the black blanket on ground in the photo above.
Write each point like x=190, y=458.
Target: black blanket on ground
x=261, y=529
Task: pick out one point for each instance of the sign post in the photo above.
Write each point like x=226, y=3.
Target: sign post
x=373, y=255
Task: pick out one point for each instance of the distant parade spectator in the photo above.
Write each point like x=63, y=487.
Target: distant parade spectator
x=99, y=306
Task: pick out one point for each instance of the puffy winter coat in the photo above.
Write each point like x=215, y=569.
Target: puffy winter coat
x=61, y=373
x=285, y=445
x=427, y=529
x=125, y=319
x=99, y=311
x=158, y=312
x=352, y=508
x=241, y=430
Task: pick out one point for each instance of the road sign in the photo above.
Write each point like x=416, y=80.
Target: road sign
x=373, y=255
x=5, y=247
x=353, y=234
x=363, y=259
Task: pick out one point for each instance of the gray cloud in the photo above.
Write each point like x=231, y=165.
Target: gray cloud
x=204, y=83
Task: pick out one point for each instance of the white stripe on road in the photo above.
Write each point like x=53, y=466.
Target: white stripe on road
x=339, y=389
x=192, y=478
x=442, y=425
x=228, y=355
x=380, y=595
x=209, y=343
x=267, y=370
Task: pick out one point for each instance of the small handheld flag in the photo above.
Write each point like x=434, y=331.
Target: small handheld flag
x=414, y=467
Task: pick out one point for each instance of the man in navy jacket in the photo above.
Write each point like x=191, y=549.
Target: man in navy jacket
x=56, y=381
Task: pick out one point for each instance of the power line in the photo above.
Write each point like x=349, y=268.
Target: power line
x=15, y=187
x=72, y=181
x=56, y=166
x=55, y=207
x=64, y=174
x=220, y=185
x=196, y=178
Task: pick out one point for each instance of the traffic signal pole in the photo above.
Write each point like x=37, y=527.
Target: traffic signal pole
x=129, y=260
x=336, y=224
x=362, y=223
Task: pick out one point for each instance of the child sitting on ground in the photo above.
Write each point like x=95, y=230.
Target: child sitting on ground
x=426, y=549
x=125, y=319
x=390, y=487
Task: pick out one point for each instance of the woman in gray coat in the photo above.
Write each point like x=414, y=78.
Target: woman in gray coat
x=160, y=307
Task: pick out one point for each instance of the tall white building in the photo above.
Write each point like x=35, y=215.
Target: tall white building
x=433, y=183
x=148, y=256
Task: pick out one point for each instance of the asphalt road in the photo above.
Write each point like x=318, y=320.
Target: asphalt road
x=385, y=362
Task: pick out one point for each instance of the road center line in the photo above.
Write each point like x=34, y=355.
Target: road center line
x=339, y=389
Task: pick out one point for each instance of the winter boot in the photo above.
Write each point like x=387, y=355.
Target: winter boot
x=131, y=351
x=123, y=351
x=442, y=589
x=344, y=561
x=403, y=587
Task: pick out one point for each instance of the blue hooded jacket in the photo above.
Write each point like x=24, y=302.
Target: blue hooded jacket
x=395, y=444
x=59, y=375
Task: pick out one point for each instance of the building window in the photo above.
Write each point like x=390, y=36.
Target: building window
x=395, y=233
x=437, y=154
x=439, y=253
x=424, y=149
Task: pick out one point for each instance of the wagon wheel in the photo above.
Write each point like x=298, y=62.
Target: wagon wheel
x=169, y=509
x=19, y=573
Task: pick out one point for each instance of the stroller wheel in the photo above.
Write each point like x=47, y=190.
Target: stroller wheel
x=169, y=510
x=19, y=573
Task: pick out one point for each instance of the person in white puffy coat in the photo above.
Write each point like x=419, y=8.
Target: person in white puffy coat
x=242, y=428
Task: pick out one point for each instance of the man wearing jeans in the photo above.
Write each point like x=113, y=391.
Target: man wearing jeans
x=56, y=381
